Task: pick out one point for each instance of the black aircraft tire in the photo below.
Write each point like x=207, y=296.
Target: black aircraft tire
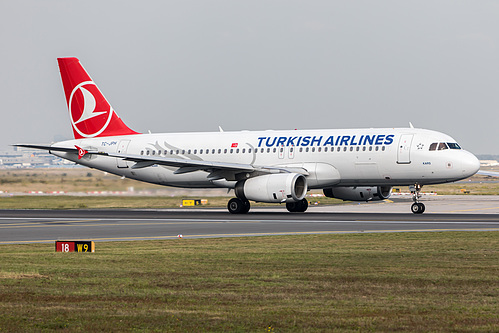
x=417, y=208
x=423, y=208
x=246, y=207
x=303, y=205
x=237, y=206
x=292, y=206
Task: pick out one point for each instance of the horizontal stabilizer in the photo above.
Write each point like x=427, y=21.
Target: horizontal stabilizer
x=46, y=147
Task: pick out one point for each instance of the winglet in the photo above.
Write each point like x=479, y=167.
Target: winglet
x=81, y=152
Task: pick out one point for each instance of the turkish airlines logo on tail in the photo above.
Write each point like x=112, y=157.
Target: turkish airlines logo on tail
x=89, y=111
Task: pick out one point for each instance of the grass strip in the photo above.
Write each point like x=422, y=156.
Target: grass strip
x=138, y=202
x=418, y=282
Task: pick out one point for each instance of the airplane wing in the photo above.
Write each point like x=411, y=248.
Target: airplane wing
x=488, y=173
x=218, y=170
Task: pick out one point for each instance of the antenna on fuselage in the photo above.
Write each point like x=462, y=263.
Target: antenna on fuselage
x=410, y=125
x=220, y=128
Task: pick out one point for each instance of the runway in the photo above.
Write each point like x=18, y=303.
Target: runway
x=30, y=226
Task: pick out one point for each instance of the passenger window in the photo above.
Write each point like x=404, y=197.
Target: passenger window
x=147, y=152
x=383, y=148
x=243, y=150
x=370, y=148
x=281, y=149
x=171, y=152
x=319, y=149
x=433, y=146
x=364, y=148
x=141, y=152
x=301, y=149
x=268, y=150
x=166, y=152
x=195, y=151
x=154, y=152
x=189, y=151
x=351, y=148
x=200, y=151
x=338, y=149
x=249, y=150
x=358, y=148
x=220, y=151
x=377, y=148
x=237, y=151
x=225, y=151
x=345, y=149
x=306, y=150
x=261, y=151
x=442, y=146
x=231, y=150
x=275, y=149
x=313, y=149
x=325, y=149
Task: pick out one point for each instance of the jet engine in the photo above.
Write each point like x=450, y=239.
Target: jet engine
x=358, y=193
x=282, y=187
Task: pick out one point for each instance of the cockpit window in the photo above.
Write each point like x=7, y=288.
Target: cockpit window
x=453, y=145
x=442, y=146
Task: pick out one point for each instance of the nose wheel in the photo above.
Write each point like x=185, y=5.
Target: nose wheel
x=417, y=207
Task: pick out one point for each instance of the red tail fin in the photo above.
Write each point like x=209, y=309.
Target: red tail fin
x=90, y=113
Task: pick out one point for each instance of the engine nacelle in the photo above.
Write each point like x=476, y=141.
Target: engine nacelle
x=358, y=193
x=282, y=187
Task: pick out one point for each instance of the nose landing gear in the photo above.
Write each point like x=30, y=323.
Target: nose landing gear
x=417, y=207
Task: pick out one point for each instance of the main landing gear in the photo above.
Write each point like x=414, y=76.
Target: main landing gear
x=417, y=207
x=242, y=206
x=238, y=206
x=298, y=206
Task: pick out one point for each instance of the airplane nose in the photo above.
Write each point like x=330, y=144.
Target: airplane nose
x=470, y=164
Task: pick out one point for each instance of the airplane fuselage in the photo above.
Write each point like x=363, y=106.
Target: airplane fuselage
x=336, y=157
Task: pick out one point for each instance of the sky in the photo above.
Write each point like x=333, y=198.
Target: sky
x=182, y=66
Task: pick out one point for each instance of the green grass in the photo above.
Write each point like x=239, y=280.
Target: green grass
x=138, y=202
x=417, y=282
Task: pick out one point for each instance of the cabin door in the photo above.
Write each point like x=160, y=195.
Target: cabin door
x=404, y=149
x=122, y=148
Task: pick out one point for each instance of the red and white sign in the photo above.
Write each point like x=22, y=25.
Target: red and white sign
x=234, y=145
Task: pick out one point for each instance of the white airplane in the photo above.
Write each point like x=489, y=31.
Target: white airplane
x=262, y=166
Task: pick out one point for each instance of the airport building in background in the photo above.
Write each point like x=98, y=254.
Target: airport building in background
x=20, y=158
